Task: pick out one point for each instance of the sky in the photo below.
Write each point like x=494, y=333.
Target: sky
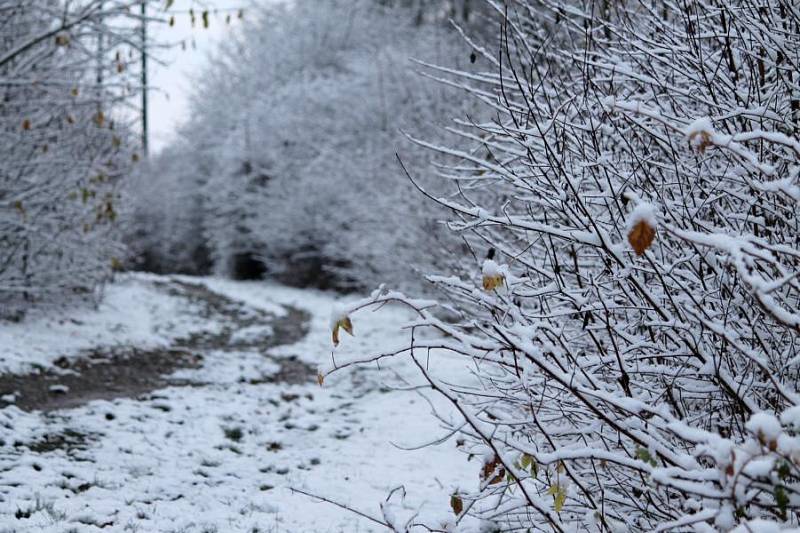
x=171, y=82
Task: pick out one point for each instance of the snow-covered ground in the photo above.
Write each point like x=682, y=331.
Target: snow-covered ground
x=222, y=449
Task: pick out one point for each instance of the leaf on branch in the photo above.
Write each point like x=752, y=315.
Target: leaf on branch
x=26, y=124
x=320, y=378
x=344, y=323
x=699, y=134
x=493, y=471
x=641, y=237
x=62, y=39
x=494, y=275
x=700, y=140
x=456, y=504
x=490, y=283
x=644, y=455
x=99, y=119
x=559, y=495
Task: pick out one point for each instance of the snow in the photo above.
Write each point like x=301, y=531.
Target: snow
x=492, y=269
x=224, y=453
x=765, y=426
x=698, y=126
x=132, y=311
x=643, y=211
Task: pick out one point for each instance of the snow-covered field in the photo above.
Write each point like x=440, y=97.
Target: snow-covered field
x=221, y=448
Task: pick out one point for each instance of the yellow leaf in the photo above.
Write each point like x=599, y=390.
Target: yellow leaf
x=560, y=498
x=347, y=325
x=344, y=323
x=490, y=283
x=320, y=378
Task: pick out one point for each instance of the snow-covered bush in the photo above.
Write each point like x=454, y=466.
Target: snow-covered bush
x=634, y=332
x=293, y=137
x=63, y=70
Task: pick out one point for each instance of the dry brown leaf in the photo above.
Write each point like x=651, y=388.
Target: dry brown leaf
x=700, y=140
x=641, y=237
x=456, y=504
x=494, y=471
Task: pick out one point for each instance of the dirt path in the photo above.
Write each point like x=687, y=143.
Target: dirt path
x=130, y=371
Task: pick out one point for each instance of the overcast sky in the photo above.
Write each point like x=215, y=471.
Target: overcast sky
x=172, y=83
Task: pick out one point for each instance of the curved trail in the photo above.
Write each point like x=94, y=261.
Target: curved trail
x=130, y=371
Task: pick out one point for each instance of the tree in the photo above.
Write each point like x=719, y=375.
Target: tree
x=64, y=73
x=634, y=326
x=293, y=136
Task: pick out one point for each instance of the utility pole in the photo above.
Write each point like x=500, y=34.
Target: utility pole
x=144, y=78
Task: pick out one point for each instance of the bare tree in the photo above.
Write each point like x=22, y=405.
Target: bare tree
x=67, y=74
x=634, y=326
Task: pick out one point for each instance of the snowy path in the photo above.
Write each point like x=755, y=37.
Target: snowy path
x=215, y=445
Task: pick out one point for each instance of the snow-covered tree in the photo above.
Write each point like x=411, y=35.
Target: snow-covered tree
x=633, y=329
x=64, y=72
x=293, y=137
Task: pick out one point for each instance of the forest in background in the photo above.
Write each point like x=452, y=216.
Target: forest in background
x=288, y=169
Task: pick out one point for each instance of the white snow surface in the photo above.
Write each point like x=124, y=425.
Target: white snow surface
x=223, y=456
x=132, y=312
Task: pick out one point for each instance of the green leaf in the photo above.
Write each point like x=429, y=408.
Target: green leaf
x=561, y=497
x=525, y=461
x=644, y=455
x=784, y=470
x=781, y=499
